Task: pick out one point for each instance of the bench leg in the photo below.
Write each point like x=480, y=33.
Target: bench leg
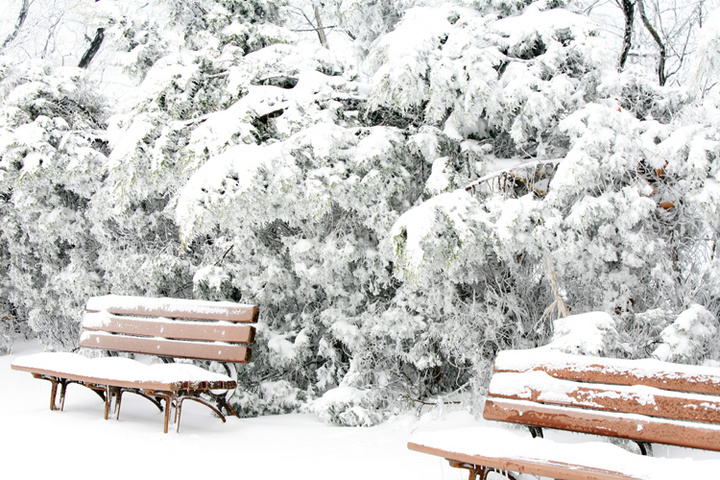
x=174, y=401
x=479, y=472
x=645, y=448
x=108, y=400
x=53, y=393
x=63, y=390
x=178, y=411
x=53, y=390
x=475, y=470
x=108, y=393
x=169, y=402
x=221, y=402
x=118, y=402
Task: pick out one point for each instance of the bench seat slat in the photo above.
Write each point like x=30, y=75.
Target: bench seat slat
x=634, y=427
x=556, y=470
x=648, y=372
x=516, y=451
x=153, y=385
x=540, y=387
x=122, y=372
x=172, y=329
x=220, y=352
x=174, y=308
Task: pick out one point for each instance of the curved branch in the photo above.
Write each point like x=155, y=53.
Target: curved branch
x=662, y=77
x=20, y=21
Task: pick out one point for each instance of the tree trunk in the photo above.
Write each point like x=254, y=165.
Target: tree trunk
x=320, y=29
x=21, y=20
x=662, y=77
x=628, y=8
x=93, y=48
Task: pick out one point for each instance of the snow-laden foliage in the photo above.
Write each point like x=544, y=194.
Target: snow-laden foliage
x=508, y=81
x=691, y=338
x=627, y=223
x=707, y=60
x=300, y=220
x=216, y=149
x=591, y=333
x=51, y=155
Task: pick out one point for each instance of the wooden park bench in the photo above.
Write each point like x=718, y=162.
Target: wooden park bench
x=163, y=327
x=644, y=401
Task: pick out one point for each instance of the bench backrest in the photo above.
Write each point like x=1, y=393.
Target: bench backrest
x=197, y=329
x=641, y=400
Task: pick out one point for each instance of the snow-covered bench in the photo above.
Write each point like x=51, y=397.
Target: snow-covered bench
x=164, y=327
x=646, y=401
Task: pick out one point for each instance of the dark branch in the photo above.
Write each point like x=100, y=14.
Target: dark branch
x=92, y=49
x=21, y=20
x=662, y=77
x=628, y=8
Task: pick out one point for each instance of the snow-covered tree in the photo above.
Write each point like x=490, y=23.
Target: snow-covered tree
x=433, y=182
x=51, y=155
x=707, y=60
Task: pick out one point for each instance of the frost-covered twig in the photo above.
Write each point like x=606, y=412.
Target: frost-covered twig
x=432, y=404
x=219, y=262
x=662, y=77
x=21, y=20
x=558, y=303
x=514, y=175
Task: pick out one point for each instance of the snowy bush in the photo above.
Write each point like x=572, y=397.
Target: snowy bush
x=51, y=153
x=691, y=338
x=305, y=216
x=348, y=406
x=607, y=235
x=327, y=185
x=636, y=91
x=269, y=398
x=508, y=81
x=707, y=59
x=7, y=335
x=592, y=333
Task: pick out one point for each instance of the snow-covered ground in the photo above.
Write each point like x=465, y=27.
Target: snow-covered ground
x=43, y=444
x=297, y=446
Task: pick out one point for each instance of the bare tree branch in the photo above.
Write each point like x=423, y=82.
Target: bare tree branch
x=662, y=77
x=20, y=21
x=93, y=48
x=320, y=28
x=628, y=8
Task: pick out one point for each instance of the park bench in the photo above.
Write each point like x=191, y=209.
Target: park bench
x=220, y=333
x=642, y=401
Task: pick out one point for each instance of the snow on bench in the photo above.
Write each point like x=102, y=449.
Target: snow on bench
x=645, y=401
x=516, y=451
x=120, y=371
x=165, y=327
